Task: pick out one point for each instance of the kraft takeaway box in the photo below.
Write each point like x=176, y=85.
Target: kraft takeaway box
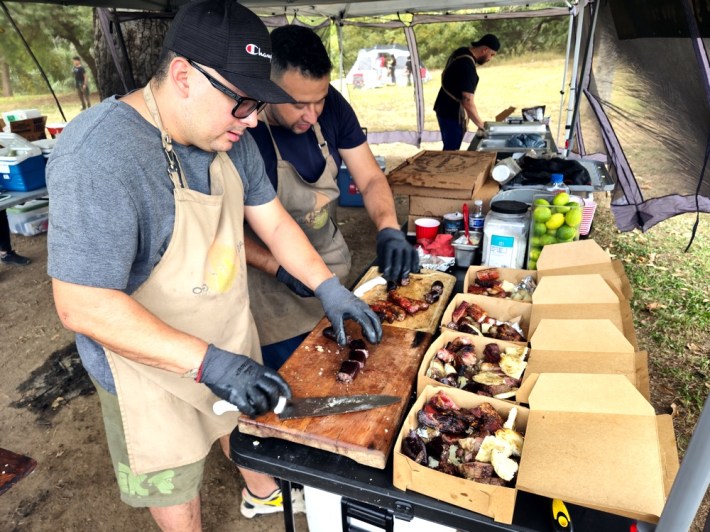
x=442, y=174
x=583, y=346
x=581, y=297
x=446, y=336
x=583, y=256
x=494, y=501
x=500, y=309
x=512, y=275
x=593, y=440
x=590, y=440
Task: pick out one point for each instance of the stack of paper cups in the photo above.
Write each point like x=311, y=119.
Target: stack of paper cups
x=587, y=216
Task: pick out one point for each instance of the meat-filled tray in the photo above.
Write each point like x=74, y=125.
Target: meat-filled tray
x=368, y=436
x=419, y=285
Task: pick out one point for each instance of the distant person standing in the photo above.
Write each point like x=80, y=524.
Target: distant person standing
x=454, y=104
x=408, y=70
x=392, y=66
x=7, y=254
x=81, y=82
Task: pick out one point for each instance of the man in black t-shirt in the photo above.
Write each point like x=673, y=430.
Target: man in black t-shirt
x=454, y=104
x=81, y=83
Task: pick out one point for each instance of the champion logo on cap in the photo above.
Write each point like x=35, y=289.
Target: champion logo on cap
x=253, y=49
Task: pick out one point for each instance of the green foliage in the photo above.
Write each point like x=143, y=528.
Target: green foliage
x=53, y=32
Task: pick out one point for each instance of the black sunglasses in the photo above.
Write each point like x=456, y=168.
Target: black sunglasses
x=245, y=106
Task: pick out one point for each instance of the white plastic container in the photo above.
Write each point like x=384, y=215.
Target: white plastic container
x=505, y=234
x=324, y=515
x=30, y=218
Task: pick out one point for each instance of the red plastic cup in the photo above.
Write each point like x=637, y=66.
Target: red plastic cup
x=55, y=129
x=427, y=228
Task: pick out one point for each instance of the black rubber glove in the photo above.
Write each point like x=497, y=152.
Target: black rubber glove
x=396, y=257
x=340, y=304
x=253, y=388
x=296, y=286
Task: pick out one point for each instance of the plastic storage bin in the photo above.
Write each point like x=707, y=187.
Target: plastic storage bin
x=21, y=164
x=30, y=218
x=349, y=194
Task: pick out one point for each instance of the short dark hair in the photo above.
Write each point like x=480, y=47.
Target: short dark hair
x=300, y=48
x=161, y=71
x=76, y=58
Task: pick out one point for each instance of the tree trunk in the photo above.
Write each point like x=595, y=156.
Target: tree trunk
x=144, y=41
x=5, y=78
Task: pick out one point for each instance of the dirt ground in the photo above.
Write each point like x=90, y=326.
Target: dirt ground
x=73, y=487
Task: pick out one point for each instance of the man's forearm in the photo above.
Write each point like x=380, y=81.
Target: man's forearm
x=471, y=110
x=379, y=204
x=259, y=257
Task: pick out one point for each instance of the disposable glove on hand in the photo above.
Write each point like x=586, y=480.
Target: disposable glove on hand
x=340, y=304
x=296, y=286
x=253, y=388
x=396, y=257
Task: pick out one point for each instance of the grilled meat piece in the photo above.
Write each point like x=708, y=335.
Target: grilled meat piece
x=487, y=278
x=490, y=419
x=411, y=306
x=358, y=356
x=359, y=345
x=507, y=332
x=391, y=311
x=432, y=297
x=459, y=312
x=437, y=286
x=329, y=333
x=491, y=353
x=476, y=289
x=413, y=447
x=476, y=312
x=476, y=470
x=348, y=371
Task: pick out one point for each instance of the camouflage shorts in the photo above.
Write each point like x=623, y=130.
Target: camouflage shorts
x=157, y=489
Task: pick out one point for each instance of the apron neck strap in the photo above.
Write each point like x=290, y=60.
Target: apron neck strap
x=174, y=169
x=322, y=143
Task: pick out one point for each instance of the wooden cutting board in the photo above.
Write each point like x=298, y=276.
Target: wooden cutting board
x=367, y=437
x=419, y=284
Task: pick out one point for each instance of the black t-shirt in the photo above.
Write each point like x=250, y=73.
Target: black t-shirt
x=79, y=74
x=461, y=76
x=341, y=130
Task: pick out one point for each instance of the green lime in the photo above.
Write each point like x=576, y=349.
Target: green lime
x=532, y=264
x=540, y=201
x=561, y=208
x=535, y=241
x=555, y=221
x=566, y=233
x=542, y=214
x=574, y=217
x=547, y=239
x=552, y=232
x=560, y=199
x=539, y=229
x=535, y=254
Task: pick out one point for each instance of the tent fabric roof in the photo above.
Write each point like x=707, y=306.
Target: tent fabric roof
x=326, y=8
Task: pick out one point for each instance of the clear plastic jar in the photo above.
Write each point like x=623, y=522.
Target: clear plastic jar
x=505, y=234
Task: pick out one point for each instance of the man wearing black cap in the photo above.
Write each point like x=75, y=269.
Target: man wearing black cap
x=454, y=104
x=150, y=192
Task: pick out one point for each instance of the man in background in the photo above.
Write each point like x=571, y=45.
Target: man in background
x=455, y=104
x=81, y=82
x=303, y=145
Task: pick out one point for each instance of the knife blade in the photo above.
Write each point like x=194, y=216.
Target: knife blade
x=318, y=406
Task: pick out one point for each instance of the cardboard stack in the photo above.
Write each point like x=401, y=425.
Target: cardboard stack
x=29, y=128
x=591, y=436
x=440, y=182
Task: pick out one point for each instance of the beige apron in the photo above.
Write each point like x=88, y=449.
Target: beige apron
x=279, y=313
x=199, y=287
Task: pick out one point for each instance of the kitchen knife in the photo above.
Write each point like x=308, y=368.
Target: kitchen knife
x=318, y=406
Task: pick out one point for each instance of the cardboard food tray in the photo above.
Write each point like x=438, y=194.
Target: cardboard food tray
x=442, y=174
x=581, y=297
x=446, y=336
x=311, y=372
x=590, y=440
x=583, y=256
x=494, y=501
x=420, y=283
x=512, y=275
x=583, y=346
x=500, y=309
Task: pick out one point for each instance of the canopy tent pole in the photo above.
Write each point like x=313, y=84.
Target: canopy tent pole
x=32, y=55
x=564, y=74
x=573, y=82
x=339, y=31
x=417, y=79
x=583, y=79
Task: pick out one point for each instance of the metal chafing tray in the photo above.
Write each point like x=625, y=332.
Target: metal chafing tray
x=602, y=181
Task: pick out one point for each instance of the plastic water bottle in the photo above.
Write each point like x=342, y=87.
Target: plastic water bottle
x=476, y=217
x=557, y=185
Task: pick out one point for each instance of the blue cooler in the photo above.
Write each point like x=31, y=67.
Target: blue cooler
x=349, y=194
x=21, y=164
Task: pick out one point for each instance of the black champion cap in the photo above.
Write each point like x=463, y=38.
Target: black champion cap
x=226, y=36
x=489, y=40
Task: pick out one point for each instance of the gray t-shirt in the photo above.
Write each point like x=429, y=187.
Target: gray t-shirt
x=112, y=211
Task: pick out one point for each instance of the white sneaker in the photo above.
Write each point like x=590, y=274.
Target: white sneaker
x=252, y=506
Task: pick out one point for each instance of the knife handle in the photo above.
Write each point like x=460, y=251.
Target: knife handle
x=222, y=406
